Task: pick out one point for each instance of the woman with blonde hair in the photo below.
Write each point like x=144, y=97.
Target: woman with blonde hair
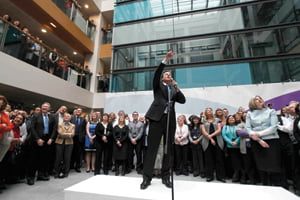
x=261, y=124
x=213, y=145
x=90, y=146
x=64, y=147
x=181, y=146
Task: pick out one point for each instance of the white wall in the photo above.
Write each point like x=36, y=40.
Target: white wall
x=21, y=75
x=107, y=5
x=197, y=99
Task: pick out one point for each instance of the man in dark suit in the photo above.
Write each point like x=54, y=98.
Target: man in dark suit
x=78, y=139
x=166, y=92
x=43, y=132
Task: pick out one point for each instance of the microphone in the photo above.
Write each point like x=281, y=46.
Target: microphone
x=175, y=86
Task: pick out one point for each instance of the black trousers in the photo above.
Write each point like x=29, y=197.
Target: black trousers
x=181, y=153
x=249, y=166
x=103, y=156
x=288, y=160
x=78, y=149
x=135, y=150
x=297, y=166
x=236, y=158
x=198, y=158
x=41, y=158
x=157, y=129
x=214, y=160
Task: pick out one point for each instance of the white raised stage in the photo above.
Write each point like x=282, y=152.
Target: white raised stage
x=103, y=187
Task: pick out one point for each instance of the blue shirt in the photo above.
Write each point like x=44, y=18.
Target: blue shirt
x=264, y=122
x=229, y=135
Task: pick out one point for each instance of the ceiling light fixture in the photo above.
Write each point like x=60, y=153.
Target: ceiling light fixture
x=86, y=6
x=44, y=30
x=75, y=53
x=52, y=24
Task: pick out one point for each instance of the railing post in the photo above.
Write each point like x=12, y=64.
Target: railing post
x=5, y=29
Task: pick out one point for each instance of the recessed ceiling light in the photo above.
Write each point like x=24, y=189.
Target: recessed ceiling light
x=52, y=24
x=75, y=53
x=44, y=30
x=86, y=6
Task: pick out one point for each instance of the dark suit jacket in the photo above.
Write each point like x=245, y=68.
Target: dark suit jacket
x=81, y=128
x=99, y=131
x=160, y=92
x=37, y=126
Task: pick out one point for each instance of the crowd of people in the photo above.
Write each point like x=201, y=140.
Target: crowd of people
x=31, y=49
x=257, y=146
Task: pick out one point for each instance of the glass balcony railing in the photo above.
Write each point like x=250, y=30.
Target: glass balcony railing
x=72, y=10
x=21, y=45
x=107, y=35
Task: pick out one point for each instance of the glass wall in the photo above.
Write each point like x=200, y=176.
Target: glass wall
x=272, y=71
x=208, y=22
x=136, y=10
x=218, y=48
x=216, y=45
x=72, y=10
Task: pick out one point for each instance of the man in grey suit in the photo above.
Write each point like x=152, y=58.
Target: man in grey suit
x=166, y=92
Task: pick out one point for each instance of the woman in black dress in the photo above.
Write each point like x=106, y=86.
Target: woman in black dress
x=103, y=143
x=120, y=148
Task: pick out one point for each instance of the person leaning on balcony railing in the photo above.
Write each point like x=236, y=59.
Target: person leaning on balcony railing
x=24, y=43
x=53, y=61
x=5, y=19
x=12, y=39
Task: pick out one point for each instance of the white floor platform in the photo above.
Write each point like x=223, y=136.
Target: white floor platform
x=128, y=188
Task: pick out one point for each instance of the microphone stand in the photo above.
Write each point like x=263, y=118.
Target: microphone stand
x=171, y=143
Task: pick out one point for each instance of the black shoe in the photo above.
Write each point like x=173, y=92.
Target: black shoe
x=166, y=181
x=186, y=173
x=123, y=173
x=30, y=181
x=236, y=177
x=209, y=179
x=105, y=172
x=43, y=178
x=221, y=180
x=139, y=171
x=146, y=182
x=77, y=170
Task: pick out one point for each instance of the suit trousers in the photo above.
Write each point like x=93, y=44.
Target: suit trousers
x=137, y=149
x=40, y=158
x=157, y=129
x=78, y=149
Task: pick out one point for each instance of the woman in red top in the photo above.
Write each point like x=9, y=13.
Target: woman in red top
x=5, y=127
x=5, y=124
